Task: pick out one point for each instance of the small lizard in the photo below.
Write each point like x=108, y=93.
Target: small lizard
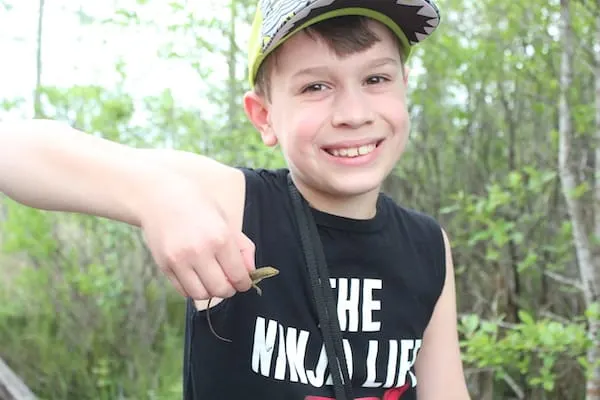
x=257, y=275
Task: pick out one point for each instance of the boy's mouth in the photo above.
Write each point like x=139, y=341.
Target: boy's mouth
x=353, y=151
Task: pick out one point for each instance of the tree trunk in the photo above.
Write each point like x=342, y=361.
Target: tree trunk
x=568, y=161
x=596, y=141
x=232, y=95
x=37, y=97
x=593, y=384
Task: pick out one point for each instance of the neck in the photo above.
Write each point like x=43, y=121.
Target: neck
x=362, y=206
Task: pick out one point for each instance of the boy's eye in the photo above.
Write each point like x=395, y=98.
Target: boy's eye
x=315, y=87
x=375, y=79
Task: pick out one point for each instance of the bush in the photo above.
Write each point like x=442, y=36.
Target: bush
x=84, y=313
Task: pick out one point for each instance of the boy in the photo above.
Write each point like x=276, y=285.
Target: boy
x=329, y=86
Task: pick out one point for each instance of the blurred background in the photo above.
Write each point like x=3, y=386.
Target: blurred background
x=505, y=104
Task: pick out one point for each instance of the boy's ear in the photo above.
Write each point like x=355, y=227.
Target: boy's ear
x=257, y=110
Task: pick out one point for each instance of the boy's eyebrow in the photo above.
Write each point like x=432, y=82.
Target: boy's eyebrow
x=378, y=62
x=310, y=71
x=383, y=61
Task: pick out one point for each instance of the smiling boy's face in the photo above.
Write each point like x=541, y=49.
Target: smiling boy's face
x=341, y=121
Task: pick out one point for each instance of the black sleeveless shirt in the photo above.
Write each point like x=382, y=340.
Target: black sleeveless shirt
x=387, y=274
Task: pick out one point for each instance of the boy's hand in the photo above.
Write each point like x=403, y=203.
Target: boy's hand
x=194, y=244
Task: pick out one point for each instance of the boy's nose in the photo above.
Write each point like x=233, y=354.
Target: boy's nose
x=352, y=109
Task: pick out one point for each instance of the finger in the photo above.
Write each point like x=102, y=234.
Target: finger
x=232, y=263
x=248, y=250
x=175, y=282
x=191, y=283
x=213, y=279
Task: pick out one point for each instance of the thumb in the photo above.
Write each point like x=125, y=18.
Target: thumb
x=247, y=248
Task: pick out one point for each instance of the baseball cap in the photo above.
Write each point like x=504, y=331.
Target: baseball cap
x=276, y=20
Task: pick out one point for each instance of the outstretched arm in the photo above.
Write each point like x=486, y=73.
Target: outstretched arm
x=189, y=206
x=49, y=165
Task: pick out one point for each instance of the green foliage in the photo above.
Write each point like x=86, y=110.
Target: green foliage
x=531, y=349
x=34, y=237
x=506, y=213
x=85, y=315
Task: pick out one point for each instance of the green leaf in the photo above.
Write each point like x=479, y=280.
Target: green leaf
x=526, y=318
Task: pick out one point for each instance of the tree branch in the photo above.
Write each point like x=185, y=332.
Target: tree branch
x=564, y=280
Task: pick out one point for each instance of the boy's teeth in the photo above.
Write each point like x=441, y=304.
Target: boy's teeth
x=353, y=151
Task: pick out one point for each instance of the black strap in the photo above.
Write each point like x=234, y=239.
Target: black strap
x=323, y=295
x=188, y=383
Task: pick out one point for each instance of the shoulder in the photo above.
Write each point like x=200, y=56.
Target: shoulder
x=264, y=184
x=425, y=234
x=421, y=227
x=417, y=216
x=265, y=195
x=263, y=177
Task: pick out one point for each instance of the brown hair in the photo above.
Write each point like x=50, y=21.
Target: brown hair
x=344, y=35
